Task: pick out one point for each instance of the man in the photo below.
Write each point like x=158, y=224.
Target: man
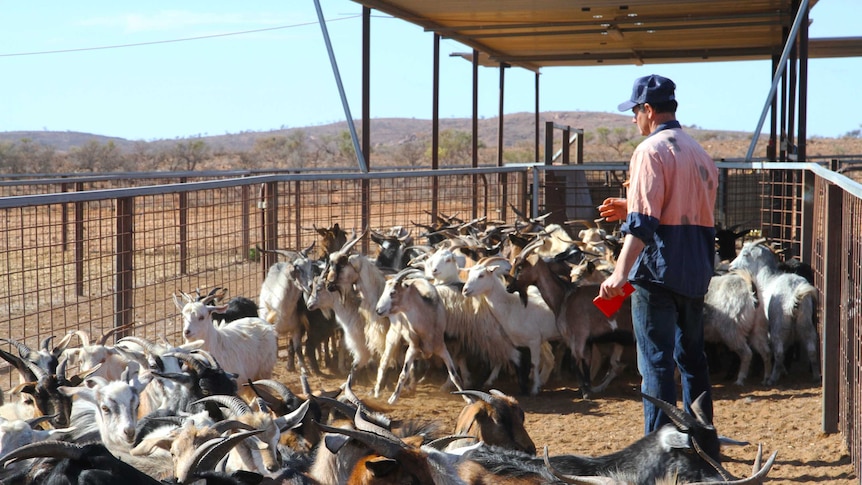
x=668, y=249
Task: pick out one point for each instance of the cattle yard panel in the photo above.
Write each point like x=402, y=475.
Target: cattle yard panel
x=94, y=259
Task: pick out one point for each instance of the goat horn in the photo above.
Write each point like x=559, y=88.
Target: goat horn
x=145, y=344
x=34, y=422
x=46, y=342
x=725, y=475
x=208, y=455
x=294, y=418
x=385, y=446
x=697, y=409
x=195, y=364
x=477, y=394
x=681, y=419
x=575, y=479
x=758, y=472
x=441, y=443
x=23, y=350
x=303, y=380
x=348, y=410
x=370, y=425
x=114, y=331
x=233, y=403
x=283, y=392
x=52, y=448
x=589, y=224
x=211, y=361
x=62, y=344
x=230, y=425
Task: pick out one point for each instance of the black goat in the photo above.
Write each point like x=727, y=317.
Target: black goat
x=687, y=451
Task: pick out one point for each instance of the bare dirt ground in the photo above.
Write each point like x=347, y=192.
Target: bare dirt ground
x=786, y=418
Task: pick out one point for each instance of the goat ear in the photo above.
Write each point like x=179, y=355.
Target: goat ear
x=381, y=466
x=82, y=392
x=674, y=439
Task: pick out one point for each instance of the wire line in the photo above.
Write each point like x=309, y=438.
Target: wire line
x=202, y=37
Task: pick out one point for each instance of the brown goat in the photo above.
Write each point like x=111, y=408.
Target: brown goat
x=495, y=419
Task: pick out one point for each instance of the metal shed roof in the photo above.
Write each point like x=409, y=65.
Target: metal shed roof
x=539, y=33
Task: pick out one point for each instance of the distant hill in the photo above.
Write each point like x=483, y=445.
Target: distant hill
x=517, y=128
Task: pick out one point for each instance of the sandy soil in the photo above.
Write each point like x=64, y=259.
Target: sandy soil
x=786, y=418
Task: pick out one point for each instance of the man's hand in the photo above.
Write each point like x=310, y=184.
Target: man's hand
x=613, y=209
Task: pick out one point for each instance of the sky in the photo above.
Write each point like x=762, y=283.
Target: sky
x=167, y=70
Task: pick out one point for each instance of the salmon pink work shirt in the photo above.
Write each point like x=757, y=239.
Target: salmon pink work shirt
x=671, y=199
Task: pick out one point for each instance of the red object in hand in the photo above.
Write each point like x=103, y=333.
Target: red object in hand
x=612, y=305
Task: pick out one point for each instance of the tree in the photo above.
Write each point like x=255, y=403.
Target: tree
x=620, y=140
x=412, y=151
x=95, y=157
x=186, y=155
x=454, y=146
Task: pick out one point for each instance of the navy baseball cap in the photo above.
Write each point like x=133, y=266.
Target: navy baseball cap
x=650, y=89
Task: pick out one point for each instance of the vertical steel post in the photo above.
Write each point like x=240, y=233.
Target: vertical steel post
x=831, y=307
x=124, y=262
x=435, y=128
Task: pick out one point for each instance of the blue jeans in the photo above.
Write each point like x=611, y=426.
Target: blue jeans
x=669, y=332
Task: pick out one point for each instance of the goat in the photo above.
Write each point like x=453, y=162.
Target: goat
x=108, y=408
x=527, y=325
x=789, y=301
x=685, y=451
x=473, y=333
x=393, y=254
x=494, y=419
x=733, y=315
x=17, y=433
x=347, y=271
x=576, y=317
x=424, y=320
x=45, y=358
x=247, y=347
x=279, y=305
x=379, y=457
x=725, y=241
x=112, y=360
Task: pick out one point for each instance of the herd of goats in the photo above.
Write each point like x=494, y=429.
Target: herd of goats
x=482, y=300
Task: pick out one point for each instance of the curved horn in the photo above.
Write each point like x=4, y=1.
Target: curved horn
x=35, y=422
x=208, y=454
x=349, y=244
x=363, y=424
x=682, y=420
x=145, y=344
x=441, y=443
x=484, y=396
x=231, y=425
x=380, y=444
x=303, y=379
x=281, y=390
x=52, y=448
x=235, y=404
x=529, y=248
x=211, y=361
x=725, y=475
x=46, y=343
x=114, y=331
x=23, y=350
x=294, y=418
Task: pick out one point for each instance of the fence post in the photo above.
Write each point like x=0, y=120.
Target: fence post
x=79, y=243
x=184, y=229
x=124, y=271
x=831, y=349
x=246, y=223
x=549, y=142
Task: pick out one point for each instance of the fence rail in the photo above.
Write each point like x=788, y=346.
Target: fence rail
x=93, y=254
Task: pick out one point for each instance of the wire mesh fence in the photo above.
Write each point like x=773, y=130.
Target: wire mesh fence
x=97, y=254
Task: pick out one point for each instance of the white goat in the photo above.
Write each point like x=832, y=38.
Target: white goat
x=113, y=407
x=790, y=302
x=347, y=273
x=424, y=323
x=470, y=326
x=527, y=325
x=278, y=304
x=733, y=315
x=247, y=347
x=17, y=433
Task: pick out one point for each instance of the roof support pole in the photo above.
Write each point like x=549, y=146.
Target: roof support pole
x=503, y=184
x=537, y=118
x=435, y=126
x=772, y=145
x=475, y=127
x=803, y=91
x=801, y=14
x=366, y=120
x=360, y=158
